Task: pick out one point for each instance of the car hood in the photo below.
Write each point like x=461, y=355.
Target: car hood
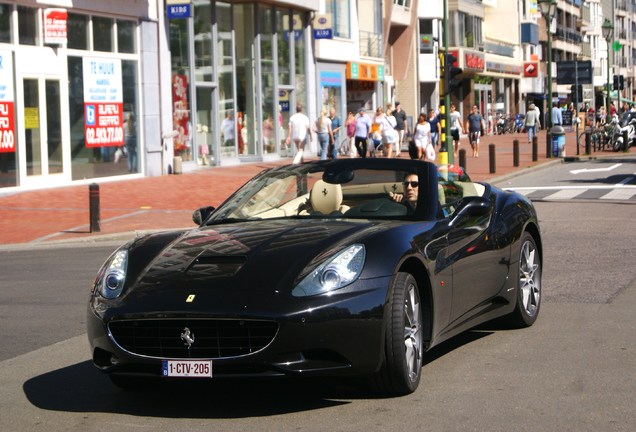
x=259, y=255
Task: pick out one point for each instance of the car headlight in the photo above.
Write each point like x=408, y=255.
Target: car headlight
x=335, y=273
x=112, y=276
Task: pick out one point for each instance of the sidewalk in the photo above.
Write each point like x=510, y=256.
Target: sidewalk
x=166, y=202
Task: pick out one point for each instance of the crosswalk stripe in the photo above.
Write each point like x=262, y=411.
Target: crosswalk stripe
x=565, y=194
x=620, y=194
x=526, y=192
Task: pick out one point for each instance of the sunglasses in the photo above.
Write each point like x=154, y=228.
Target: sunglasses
x=413, y=184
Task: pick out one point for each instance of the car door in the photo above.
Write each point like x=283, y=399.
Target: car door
x=480, y=264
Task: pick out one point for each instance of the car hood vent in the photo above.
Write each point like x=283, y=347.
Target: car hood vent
x=206, y=266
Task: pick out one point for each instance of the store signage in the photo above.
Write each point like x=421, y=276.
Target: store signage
x=179, y=11
x=504, y=68
x=283, y=100
x=7, y=103
x=530, y=70
x=474, y=61
x=364, y=71
x=103, y=102
x=323, y=26
x=55, y=25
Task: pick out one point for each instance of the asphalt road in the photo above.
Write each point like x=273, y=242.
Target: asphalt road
x=575, y=369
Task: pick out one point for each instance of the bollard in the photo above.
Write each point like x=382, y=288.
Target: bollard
x=625, y=140
x=93, y=199
x=535, y=149
x=462, y=158
x=515, y=153
x=491, y=155
x=588, y=143
x=548, y=145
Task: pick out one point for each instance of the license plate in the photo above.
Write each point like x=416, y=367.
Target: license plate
x=187, y=368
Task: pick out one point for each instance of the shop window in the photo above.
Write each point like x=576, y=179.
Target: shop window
x=28, y=25
x=246, y=86
x=299, y=57
x=102, y=34
x=105, y=161
x=265, y=17
x=203, y=65
x=181, y=114
x=5, y=23
x=77, y=31
x=126, y=37
x=284, y=46
x=341, y=20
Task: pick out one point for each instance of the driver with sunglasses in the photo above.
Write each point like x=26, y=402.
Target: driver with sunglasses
x=409, y=198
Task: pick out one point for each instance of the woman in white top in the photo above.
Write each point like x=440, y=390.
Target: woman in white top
x=324, y=132
x=422, y=135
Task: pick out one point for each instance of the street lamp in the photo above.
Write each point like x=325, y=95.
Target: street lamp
x=548, y=9
x=608, y=32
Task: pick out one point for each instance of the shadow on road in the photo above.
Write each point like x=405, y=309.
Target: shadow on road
x=82, y=388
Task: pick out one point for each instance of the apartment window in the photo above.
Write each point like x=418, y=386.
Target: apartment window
x=126, y=41
x=340, y=12
x=77, y=31
x=5, y=23
x=102, y=34
x=28, y=25
x=465, y=30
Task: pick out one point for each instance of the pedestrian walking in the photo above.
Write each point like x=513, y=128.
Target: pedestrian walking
x=362, y=132
x=336, y=125
x=475, y=125
x=422, y=138
x=323, y=132
x=531, y=122
x=455, y=127
x=299, y=132
x=400, y=127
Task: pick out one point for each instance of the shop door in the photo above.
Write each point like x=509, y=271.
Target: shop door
x=42, y=131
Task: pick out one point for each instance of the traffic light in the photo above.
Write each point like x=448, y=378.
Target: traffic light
x=619, y=82
x=452, y=72
x=576, y=92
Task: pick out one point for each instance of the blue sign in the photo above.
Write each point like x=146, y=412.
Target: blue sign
x=323, y=34
x=297, y=34
x=179, y=11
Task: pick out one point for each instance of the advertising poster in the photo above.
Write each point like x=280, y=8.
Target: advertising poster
x=103, y=102
x=181, y=112
x=7, y=117
x=55, y=26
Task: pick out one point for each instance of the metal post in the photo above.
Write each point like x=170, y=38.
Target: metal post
x=462, y=158
x=491, y=158
x=535, y=149
x=93, y=200
x=548, y=145
x=515, y=153
x=588, y=142
x=449, y=138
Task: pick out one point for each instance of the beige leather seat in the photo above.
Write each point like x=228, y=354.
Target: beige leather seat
x=326, y=198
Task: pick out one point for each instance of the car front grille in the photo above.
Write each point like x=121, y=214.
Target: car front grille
x=209, y=338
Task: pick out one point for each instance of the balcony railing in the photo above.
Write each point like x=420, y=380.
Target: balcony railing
x=371, y=44
x=568, y=35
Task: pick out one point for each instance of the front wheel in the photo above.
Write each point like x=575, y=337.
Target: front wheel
x=528, y=284
x=401, y=370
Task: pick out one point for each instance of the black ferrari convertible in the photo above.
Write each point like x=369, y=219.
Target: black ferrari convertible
x=344, y=267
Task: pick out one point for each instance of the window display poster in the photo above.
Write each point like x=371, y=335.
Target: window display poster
x=7, y=117
x=103, y=102
x=181, y=112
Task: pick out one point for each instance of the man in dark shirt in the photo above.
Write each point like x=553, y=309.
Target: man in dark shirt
x=400, y=127
x=475, y=124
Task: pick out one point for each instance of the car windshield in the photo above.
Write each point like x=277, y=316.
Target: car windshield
x=351, y=188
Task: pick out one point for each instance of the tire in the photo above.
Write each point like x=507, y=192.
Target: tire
x=528, y=290
x=402, y=367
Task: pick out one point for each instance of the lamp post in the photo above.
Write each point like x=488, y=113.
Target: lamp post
x=548, y=9
x=608, y=32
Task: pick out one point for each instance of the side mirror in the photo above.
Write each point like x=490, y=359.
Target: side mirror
x=471, y=207
x=201, y=214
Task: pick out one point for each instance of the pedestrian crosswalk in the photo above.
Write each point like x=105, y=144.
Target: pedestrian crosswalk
x=620, y=192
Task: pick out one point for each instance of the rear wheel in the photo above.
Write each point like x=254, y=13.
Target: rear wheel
x=528, y=284
x=402, y=367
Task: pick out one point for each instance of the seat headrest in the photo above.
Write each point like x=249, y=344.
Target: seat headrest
x=326, y=197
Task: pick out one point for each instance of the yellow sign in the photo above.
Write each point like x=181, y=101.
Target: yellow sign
x=31, y=118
